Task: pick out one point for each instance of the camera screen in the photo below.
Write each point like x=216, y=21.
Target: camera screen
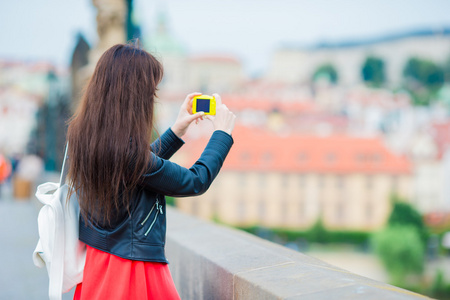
x=203, y=105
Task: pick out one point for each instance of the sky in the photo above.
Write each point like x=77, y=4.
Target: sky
x=248, y=29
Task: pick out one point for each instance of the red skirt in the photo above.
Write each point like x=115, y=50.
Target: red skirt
x=107, y=276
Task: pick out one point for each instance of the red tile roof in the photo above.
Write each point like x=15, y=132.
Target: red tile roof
x=257, y=150
x=264, y=103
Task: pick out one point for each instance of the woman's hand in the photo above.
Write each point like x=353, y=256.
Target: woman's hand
x=224, y=119
x=185, y=116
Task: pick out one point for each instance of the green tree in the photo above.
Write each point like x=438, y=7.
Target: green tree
x=401, y=245
x=423, y=80
x=373, y=71
x=170, y=201
x=317, y=233
x=327, y=71
x=401, y=252
x=405, y=214
x=447, y=71
x=440, y=289
x=425, y=73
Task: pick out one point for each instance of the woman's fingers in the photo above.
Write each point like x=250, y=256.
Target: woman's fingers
x=218, y=99
x=224, y=119
x=191, y=96
x=195, y=116
x=189, y=106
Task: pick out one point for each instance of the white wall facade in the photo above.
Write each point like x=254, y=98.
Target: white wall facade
x=298, y=66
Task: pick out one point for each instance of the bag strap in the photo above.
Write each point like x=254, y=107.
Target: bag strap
x=56, y=272
x=62, y=179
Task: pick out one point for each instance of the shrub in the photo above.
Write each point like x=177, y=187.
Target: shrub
x=401, y=251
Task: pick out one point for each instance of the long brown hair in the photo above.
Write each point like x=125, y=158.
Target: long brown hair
x=109, y=135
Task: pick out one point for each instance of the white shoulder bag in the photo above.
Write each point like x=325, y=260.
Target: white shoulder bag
x=59, y=248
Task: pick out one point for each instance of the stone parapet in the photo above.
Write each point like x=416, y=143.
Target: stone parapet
x=210, y=261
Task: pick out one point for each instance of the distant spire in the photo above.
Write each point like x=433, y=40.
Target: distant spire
x=162, y=41
x=80, y=58
x=80, y=52
x=162, y=18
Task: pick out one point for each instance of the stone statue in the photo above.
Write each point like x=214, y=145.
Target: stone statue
x=111, y=25
x=111, y=29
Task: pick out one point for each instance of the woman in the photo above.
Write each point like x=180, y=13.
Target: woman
x=121, y=181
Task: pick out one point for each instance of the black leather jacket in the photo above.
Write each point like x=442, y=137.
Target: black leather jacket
x=141, y=235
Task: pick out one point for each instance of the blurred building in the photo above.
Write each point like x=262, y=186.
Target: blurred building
x=293, y=181
x=296, y=65
x=171, y=52
x=17, y=111
x=303, y=151
x=288, y=110
x=23, y=89
x=33, y=110
x=430, y=155
x=214, y=73
x=184, y=73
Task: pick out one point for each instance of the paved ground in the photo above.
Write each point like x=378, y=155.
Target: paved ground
x=19, y=278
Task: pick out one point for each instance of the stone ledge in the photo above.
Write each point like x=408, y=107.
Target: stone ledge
x=209, y=261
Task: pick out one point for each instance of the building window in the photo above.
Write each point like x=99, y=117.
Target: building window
x=301, y=209
x=340, y=182
x=242, y=210
x=360, y=157
x=285, y=181
x=369, y=182
x=302, y=157
x=284, y=211
x=262, y=180
x=242, y=180
x=321, y=180
x=330, y=157
x=395, y=180
x=267, y=158
x=377, y=158
x=340, y=211
x=262, y=209
x=302, y=180
x=369, y=211
x=245, y=157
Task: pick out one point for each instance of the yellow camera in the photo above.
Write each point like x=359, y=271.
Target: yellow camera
x=204, y=103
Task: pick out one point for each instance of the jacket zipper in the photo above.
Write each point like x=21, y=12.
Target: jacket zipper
x=158, y=211
x=148, y=216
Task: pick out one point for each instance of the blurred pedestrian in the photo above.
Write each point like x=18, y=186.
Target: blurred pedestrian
x=121, y=181
x=30, y=167
x=5, y=171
